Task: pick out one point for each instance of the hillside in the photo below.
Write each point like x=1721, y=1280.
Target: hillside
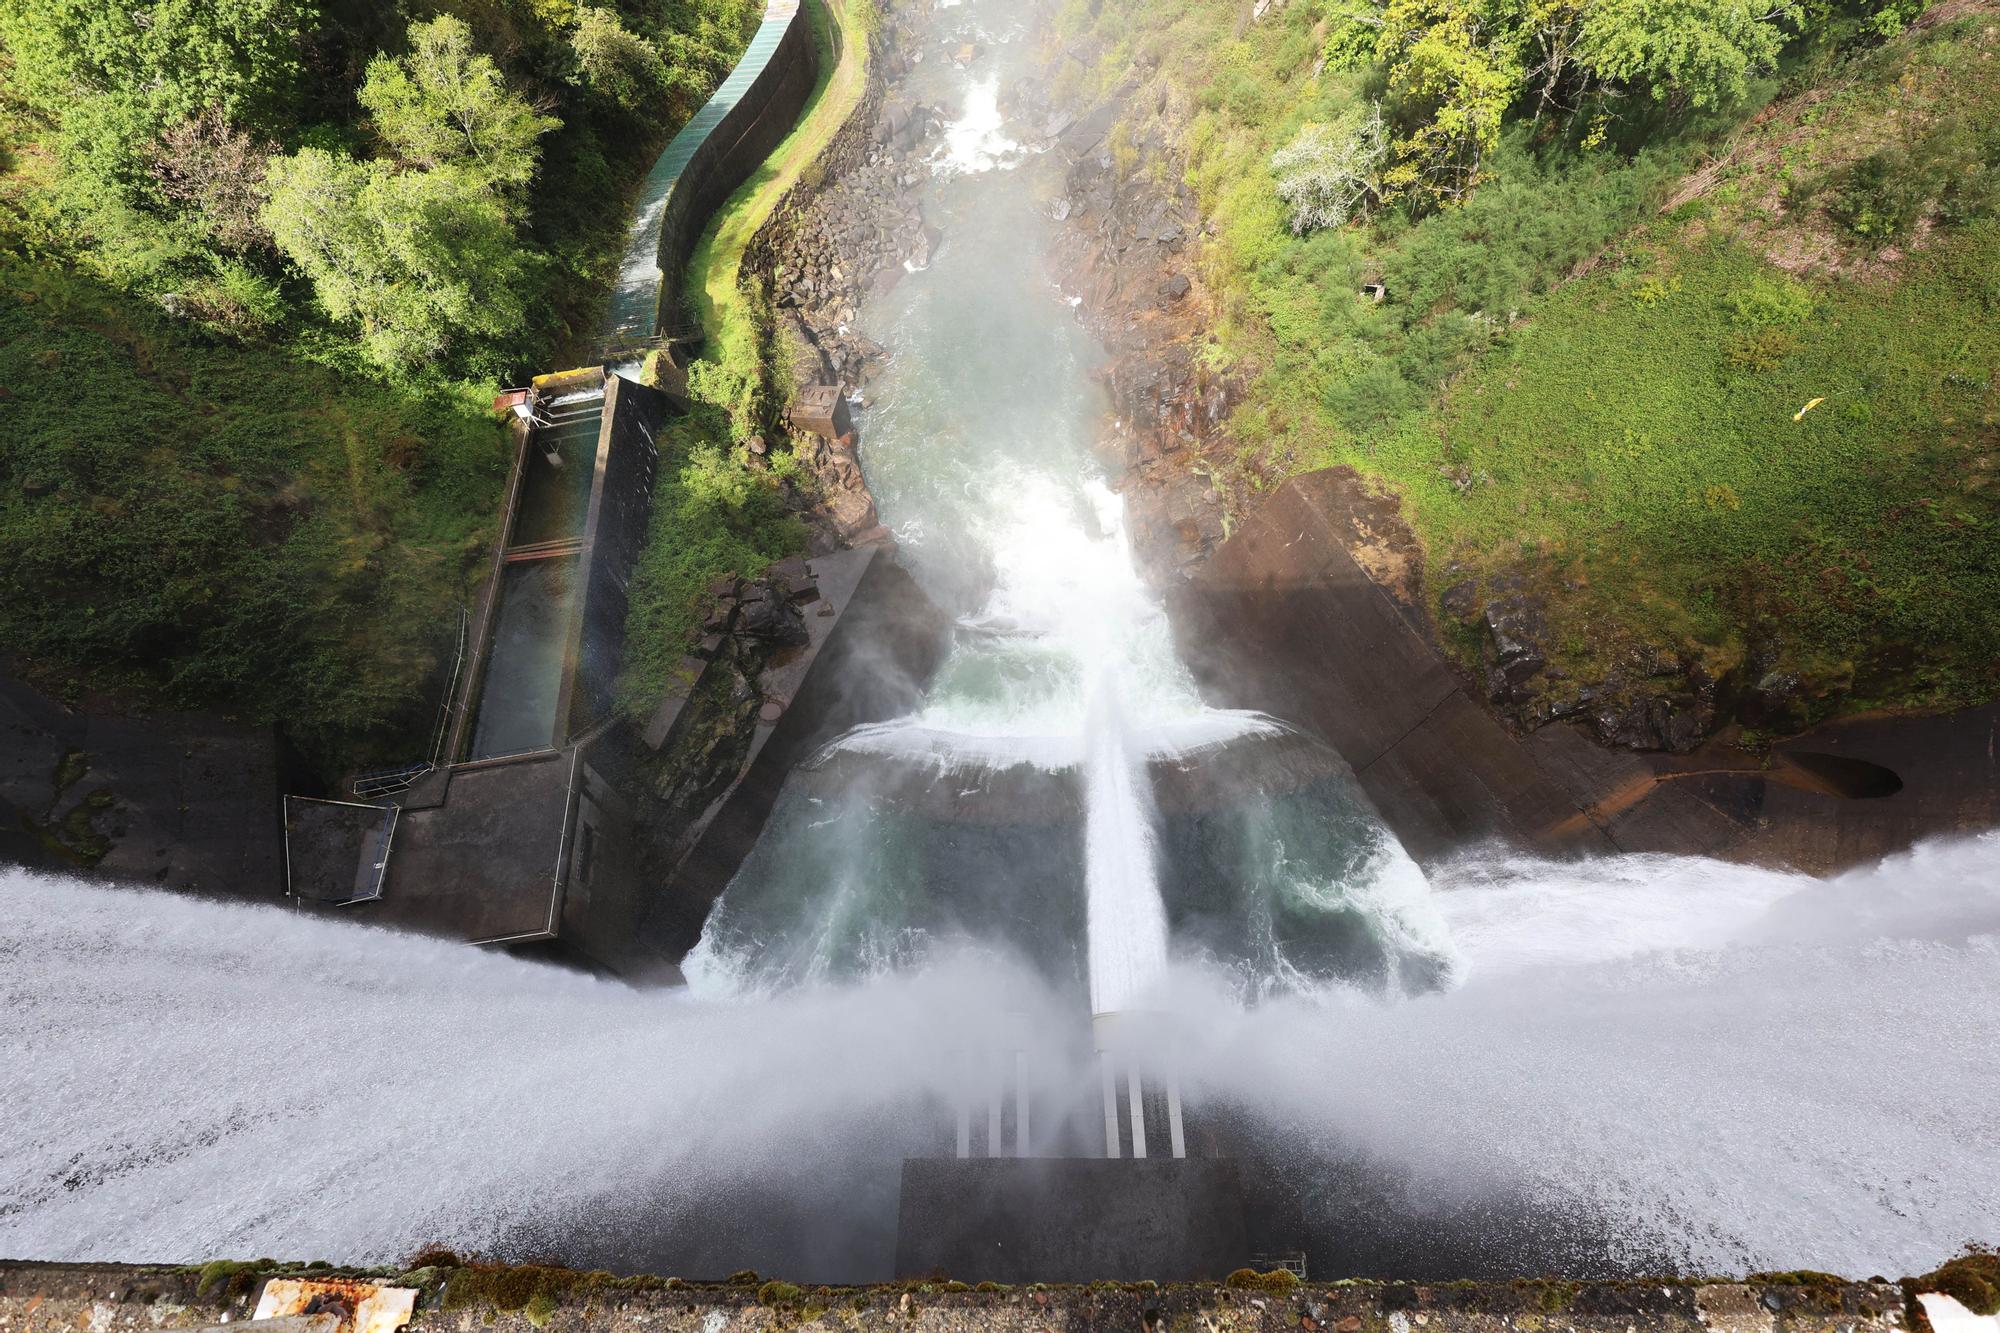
x=260, y=273
x=1604, y=296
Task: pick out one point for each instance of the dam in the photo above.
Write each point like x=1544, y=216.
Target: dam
x=1058, y=938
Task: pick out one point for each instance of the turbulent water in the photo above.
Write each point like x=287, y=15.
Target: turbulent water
x=1017, y=806
x=1730, y=1068
x=1509, y=1065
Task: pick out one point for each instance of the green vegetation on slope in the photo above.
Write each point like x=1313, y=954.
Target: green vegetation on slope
x=1579, y=396
x=713, y=515
x=261, y=265
x=228, y=526
x=1638, y=439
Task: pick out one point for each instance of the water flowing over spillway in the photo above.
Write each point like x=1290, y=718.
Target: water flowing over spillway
x=1505, y=1065
x=1721, y=1068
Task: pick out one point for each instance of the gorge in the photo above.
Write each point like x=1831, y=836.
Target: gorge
x=1456, y=1053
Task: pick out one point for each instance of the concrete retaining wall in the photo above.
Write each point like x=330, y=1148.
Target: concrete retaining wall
x=177, y=800
x=715, y=152
x=1283, y=619
x=845, y=151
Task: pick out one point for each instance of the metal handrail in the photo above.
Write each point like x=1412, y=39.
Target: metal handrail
x=382, y=782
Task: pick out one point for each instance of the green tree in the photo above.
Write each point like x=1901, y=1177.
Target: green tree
x=1701, y=52
x=446, y=105
x=425, y=262
x=1459, y=66
x=171, y=58
x=614, y=62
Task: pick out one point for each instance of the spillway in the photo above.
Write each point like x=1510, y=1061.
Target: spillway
x=1504, y=1065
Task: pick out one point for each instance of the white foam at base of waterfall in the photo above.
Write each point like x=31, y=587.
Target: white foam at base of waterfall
x=1803, y=1076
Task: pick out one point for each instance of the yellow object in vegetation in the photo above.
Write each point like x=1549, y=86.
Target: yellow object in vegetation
x=1800, y=415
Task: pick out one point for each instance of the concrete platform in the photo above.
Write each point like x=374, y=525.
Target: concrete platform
x=1035, y=1219
x=116, y=1298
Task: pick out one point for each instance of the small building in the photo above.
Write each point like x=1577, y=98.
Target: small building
x=511, y=834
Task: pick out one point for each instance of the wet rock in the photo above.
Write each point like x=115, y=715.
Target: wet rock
x=1461, y=600
x=1512, y=654
x=1176, y=287
x=774, y=621
x=1775, y=703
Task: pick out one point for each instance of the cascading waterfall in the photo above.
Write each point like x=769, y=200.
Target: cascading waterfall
x=1716, y=1068
x=1125, y=920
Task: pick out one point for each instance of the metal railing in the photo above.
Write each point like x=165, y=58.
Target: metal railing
x=380, y=782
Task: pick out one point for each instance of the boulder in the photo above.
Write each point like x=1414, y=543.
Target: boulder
x=774, y=621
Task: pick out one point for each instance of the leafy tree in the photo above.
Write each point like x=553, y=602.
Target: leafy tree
x=171, y=58
x=1329, y=173
x=1461, y=67
x=426, y=262
x=215, y=172
x=445, y=105
x=614, y=62
x=1701, y=52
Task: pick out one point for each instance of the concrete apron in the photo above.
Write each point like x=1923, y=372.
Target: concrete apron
x=1282, y=619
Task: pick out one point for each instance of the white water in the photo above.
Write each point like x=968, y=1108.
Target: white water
x=1803, y=1075
x=1125, y=920
x=976, y=141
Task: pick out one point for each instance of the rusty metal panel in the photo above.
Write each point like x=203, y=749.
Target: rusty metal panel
x=360, y=1307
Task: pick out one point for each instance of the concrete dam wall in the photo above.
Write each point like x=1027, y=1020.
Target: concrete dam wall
x=1282, y=618
x=107, y=1298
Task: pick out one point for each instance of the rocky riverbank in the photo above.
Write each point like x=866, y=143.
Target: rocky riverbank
x=1126, y=252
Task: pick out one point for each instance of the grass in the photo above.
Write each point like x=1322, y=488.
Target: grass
x=202, y=524
x=1637, y=442
x=713, y=515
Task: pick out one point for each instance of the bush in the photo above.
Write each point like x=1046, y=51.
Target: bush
x=1771, y=302
x=1950, y=171
x=1972, y=1279
x=1331, y=173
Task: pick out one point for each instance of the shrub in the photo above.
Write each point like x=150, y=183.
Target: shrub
x=1249, y=1279
x=1771, y=303
x=1972, y=1279
x=1330, y=174
x=613, y=62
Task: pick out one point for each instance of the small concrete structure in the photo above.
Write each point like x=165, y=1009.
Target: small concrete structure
x=1071, y=1219
x=514, y=836
x=821, y=409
